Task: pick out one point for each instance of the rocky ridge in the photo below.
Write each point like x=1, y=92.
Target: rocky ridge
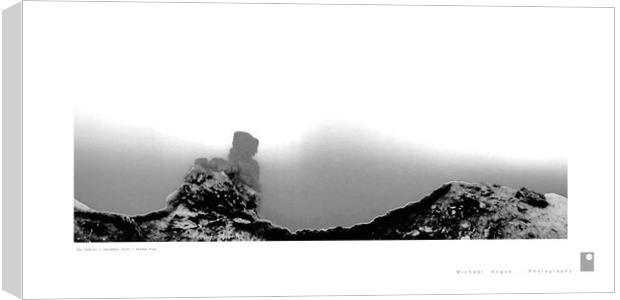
x=215, y=203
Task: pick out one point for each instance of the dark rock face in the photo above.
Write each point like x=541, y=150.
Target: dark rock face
x=240, y=164
x=210, y=206
x=532, y=198
x=460, y=210
x=104, y=227
x=241, y=155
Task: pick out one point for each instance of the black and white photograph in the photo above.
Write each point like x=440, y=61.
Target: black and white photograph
x=310, y=132
x=335, y=179
x=390, y=166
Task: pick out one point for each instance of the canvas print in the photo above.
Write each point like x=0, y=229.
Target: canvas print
x=338, y=184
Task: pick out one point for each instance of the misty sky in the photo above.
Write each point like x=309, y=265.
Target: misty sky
x=353, y=117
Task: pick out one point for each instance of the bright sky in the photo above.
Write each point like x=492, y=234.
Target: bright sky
x=474, y=88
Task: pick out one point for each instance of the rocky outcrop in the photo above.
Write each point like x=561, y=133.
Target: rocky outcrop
x=241, y=165
x=461, y=210
x=211, y=206
x=219, y=201
x=94, y=226
x=241, y=155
